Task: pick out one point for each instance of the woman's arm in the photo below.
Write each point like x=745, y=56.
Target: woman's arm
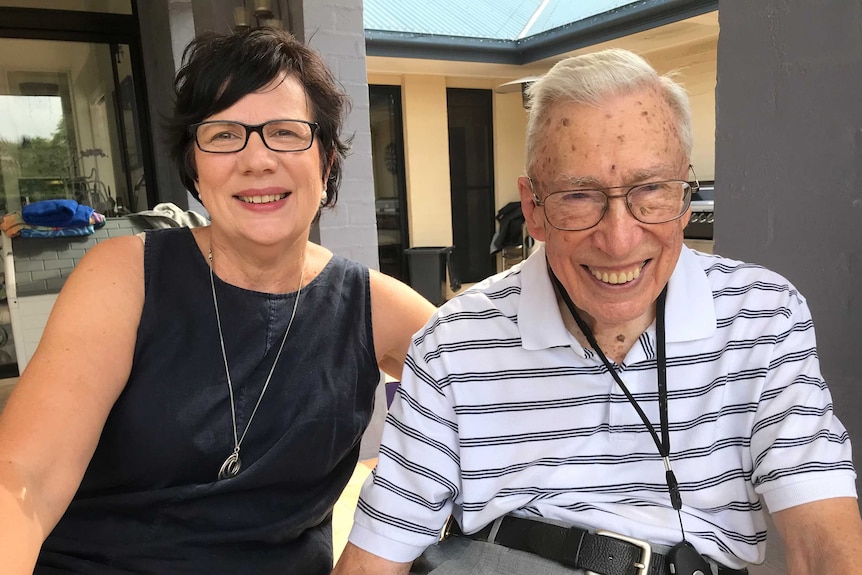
x=397, y=312
x=51, y=424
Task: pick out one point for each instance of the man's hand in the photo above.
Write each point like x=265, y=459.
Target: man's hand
x=823, y=537
x=356, y=561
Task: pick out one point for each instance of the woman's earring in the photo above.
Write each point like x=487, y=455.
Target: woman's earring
x=323, y=196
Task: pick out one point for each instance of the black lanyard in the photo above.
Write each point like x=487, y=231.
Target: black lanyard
x=663, y=445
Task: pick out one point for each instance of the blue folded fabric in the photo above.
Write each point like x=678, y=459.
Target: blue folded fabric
x=57, y=213
x=56, y=232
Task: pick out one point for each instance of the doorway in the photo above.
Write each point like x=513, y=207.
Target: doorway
x=390, y=186
x=471, y=173
x=67, y=125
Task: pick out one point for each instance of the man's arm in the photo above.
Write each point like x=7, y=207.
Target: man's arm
x=356, y=561
x=822, y=538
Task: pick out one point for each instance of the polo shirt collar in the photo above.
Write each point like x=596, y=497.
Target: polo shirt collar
x=539, y=319
x=689, y=312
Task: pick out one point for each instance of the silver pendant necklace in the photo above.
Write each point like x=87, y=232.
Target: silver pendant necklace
x=233, y=463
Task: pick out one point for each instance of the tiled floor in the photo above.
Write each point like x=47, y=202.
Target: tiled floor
x=342, y=515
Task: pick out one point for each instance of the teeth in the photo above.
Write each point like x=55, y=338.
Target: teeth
x=262, y=199
x=615, y=278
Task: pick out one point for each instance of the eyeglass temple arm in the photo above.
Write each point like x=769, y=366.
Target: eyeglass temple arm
x=695, y=185
x=536, y=200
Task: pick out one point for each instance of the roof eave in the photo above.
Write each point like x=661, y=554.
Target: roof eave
x=435, y=47
x=630, y=19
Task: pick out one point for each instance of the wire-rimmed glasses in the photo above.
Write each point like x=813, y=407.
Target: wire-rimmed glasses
x=222, y=137
x=650, y=203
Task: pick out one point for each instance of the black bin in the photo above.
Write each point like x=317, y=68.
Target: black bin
x=428, y=271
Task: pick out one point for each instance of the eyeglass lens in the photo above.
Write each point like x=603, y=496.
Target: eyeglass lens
x=653, y=203
x=279, y=135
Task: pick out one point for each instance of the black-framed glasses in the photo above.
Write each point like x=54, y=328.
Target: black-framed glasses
x=650, y=203
x=221, y=137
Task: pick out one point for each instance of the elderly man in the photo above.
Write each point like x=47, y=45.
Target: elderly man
x=617, y=403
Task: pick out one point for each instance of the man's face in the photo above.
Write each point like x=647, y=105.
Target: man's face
x=626, y=141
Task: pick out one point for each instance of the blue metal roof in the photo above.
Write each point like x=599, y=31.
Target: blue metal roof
x=497, y=19
x=492, y=19
x=510, y=31
x=561, y=12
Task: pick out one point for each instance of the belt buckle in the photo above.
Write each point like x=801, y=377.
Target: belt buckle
x=646, y=555
x=447, y=529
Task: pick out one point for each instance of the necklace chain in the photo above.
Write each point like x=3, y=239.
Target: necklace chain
x=232, y=464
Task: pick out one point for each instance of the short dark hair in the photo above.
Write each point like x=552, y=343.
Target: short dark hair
x=218, y=70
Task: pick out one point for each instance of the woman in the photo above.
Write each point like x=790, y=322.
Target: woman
x=197, y=398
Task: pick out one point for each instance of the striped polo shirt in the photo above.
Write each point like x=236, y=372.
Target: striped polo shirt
x=501, y=410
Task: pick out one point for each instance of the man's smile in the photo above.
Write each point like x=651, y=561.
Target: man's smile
x=619, y=277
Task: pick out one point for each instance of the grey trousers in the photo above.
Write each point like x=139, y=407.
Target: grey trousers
x=464, y=556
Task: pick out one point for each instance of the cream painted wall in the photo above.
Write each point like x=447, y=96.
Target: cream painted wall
x=703, y=123
x=510, y=125
x=694, y=66
x=426, y=147
x=384, y=79
x=426, y=138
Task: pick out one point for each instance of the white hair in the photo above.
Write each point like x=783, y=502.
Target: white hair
x=592, y=78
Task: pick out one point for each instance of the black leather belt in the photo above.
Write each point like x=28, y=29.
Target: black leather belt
x=601, y=552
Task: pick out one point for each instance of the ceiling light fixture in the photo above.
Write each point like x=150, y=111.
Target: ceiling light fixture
x=521, y=84
x=261, y=15
x=262, y=9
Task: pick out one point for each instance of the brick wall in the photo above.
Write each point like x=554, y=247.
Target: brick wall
x=41, y=268
x=43, y=264
x=335, y=29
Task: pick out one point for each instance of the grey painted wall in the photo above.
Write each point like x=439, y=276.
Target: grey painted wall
x=182, y=29
x=335, y=29
x=156, y=45
x=42, y=265
x=789, y=167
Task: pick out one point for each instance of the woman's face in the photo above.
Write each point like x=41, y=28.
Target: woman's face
x=257, y=194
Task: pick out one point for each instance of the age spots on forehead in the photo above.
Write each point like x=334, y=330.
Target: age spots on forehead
x=565, y=122
x=574, y=148
x=645, y=113
x=621, y=138
x=613, y=167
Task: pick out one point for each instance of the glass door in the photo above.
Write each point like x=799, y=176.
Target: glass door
x=68, y=126
x=390, y=188
x=471, y=176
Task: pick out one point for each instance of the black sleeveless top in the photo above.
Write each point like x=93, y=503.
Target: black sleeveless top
x=150, y=501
